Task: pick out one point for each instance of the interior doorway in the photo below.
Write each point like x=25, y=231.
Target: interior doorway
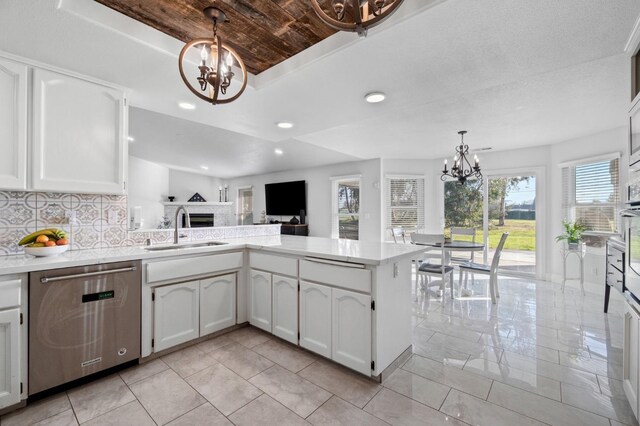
x=245, y=206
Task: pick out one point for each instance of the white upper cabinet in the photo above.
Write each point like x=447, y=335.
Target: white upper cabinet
x=79, y=133
x=13, y=125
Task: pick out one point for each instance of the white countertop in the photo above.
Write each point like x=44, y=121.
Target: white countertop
x=370, y=253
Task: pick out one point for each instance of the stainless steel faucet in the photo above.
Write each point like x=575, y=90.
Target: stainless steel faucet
x=187, y=223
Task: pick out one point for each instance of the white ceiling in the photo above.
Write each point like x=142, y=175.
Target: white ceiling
x=513, y=73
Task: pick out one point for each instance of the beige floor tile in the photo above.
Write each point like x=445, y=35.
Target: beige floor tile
x=540, y=408
x=142, y=371
x=241, y=360
x=166, y=396
x=249, y=336
x=348, y=385
x=66, y=418
x=265, y=411
x=284, y=354
x=613, y=408
x=527, y=348
x=99, y=397
x=511, y=376
x=448, y=356
x=476, y=411
x=130, y=414
x=37, y=411
x=297, y=394
x=449, y=376
x=337, y=412
x=204, y=415
x=460, y=345
x=445, y=325
x=189, y=361
x=397, y=409
x=417, y=388
x=223, y=388
x=215, y=343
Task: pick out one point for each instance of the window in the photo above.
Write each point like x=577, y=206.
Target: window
x=346, y=208
x=245, y=205
x=405, y=203
x=591, y=193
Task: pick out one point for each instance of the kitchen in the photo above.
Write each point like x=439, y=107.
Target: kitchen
x=102, y=131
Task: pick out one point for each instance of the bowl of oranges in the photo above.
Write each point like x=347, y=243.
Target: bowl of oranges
x=46, y=242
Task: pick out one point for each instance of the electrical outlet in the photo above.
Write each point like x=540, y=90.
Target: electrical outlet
x=395, y=270
x=71, y=217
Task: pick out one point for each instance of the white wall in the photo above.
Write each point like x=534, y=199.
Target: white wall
x=319, y=195
x=183, y=185
x=148, y=188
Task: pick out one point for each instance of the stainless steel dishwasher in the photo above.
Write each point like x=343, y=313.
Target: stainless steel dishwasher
x=82, y=320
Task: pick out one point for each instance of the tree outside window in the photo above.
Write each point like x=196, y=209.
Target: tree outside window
x=349, y=209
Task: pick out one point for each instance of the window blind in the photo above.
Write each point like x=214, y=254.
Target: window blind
x=591, y=194
x=405, y=202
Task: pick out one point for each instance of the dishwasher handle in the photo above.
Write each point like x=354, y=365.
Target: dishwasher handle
x=45, y=280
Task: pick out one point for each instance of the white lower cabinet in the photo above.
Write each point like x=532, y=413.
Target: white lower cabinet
x=285, y=307
x=315, y=318
x=217, y=303
x=9, y=357
x=176, y=316
x=631, y=356
x=351, y=324
x=260, y=299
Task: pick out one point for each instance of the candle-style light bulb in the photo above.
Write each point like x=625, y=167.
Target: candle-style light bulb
x=445, y=165
x=475, y=157
x=229, y=60
x=203, y=53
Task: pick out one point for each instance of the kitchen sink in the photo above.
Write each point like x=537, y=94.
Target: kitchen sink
x=184, y=246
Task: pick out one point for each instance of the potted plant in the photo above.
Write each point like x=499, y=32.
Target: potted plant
x=572, y=233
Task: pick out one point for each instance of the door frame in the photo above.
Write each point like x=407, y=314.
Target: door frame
x=541, y=208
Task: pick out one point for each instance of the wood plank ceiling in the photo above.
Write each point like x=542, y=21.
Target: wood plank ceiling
x=263, y=32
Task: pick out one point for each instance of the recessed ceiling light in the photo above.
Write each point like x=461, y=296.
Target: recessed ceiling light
x=374, y=97
x=284, y=124
x=186, y=105
x=204, y=167
x=278, y=151
x=131, y=138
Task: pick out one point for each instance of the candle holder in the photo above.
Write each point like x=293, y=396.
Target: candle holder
x=226, y=194
x=220, y=196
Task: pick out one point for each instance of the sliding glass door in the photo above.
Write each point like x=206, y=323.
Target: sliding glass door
x=500, y=203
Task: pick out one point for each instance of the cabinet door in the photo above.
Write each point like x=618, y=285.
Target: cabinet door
x=176, y=316
x=285, y=308
x=260, y=300
x=13, y=125
x=351, y=337
x=315, y=318
x=631, y=356
x=217, y=303
x=78, y=135
x=9, y=357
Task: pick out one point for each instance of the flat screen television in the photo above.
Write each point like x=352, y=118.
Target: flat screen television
x=286, y=198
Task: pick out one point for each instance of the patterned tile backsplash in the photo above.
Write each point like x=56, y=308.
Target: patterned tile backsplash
x=92, y=221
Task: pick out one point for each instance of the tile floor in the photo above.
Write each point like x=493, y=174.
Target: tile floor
x=537, y=357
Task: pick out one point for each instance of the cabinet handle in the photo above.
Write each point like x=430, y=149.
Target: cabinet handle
x=45, y=280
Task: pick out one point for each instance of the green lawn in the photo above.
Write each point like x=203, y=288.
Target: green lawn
x=522, y=234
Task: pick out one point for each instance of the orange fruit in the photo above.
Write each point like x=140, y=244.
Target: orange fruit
x=62, y=242
x=42, y=239
x=50, y=243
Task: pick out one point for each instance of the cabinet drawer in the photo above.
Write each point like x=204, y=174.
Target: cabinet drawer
x=192, y=266
x=615, y=258
x=9, y=293
x=278, y=264
x=340, y=276
x=615, y=278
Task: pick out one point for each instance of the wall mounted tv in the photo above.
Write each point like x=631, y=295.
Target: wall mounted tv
x=286, y=198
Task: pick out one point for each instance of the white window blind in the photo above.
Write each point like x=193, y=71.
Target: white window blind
x=591, y=194
x=405, y=202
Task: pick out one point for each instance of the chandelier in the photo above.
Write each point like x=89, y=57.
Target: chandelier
x=356, y=15
x=215, y=76
x=462, y=169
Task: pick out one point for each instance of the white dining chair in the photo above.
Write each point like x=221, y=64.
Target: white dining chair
x=426, y=268
x=491, y=270
x=463, y=234
x=398, y=235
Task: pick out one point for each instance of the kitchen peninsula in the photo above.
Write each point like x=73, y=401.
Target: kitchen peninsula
x=345, y=300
